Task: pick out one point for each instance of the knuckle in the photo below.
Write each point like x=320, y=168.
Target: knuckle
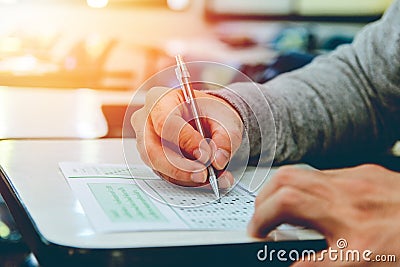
x=284, y=175
x=370, y=168
x=179, y=171
x=176, y=173
x=287, y=198
x=361, y=185
x=287, y=170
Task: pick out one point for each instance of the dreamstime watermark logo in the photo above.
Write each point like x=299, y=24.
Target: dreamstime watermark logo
x=340, y=254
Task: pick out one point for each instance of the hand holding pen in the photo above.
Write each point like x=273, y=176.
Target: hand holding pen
x=164, y=120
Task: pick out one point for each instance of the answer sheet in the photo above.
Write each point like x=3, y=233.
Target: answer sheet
x=116, y=198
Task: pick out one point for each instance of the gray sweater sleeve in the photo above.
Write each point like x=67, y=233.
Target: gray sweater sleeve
x=345, y=102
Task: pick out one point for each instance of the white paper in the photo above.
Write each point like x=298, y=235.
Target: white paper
x=92, y=170
x=116, y=200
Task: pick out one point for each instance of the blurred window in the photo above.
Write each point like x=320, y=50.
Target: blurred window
x=354, y=10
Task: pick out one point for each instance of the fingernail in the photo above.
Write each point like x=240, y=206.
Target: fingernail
x=198, y=177
x=221, y=158
x=224, y=182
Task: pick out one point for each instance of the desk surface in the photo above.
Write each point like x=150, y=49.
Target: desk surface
x=32, y=172
x=50, y=113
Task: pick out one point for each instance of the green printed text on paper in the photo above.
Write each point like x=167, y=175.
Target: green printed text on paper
x=125, y=203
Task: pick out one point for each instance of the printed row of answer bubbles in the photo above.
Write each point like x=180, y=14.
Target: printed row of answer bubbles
x=224, y=201
x=233, y=223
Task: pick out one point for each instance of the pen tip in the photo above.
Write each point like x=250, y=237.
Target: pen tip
x=214, y=184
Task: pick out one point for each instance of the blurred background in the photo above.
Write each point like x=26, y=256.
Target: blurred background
x=68, y=68
x=60, y=60
x=117, y=44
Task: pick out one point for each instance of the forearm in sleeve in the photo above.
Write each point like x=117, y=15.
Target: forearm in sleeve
x=346, y=101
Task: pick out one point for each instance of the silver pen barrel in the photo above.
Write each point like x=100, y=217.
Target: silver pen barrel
x=183, y=76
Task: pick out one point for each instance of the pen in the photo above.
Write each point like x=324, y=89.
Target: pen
x=183, y=76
